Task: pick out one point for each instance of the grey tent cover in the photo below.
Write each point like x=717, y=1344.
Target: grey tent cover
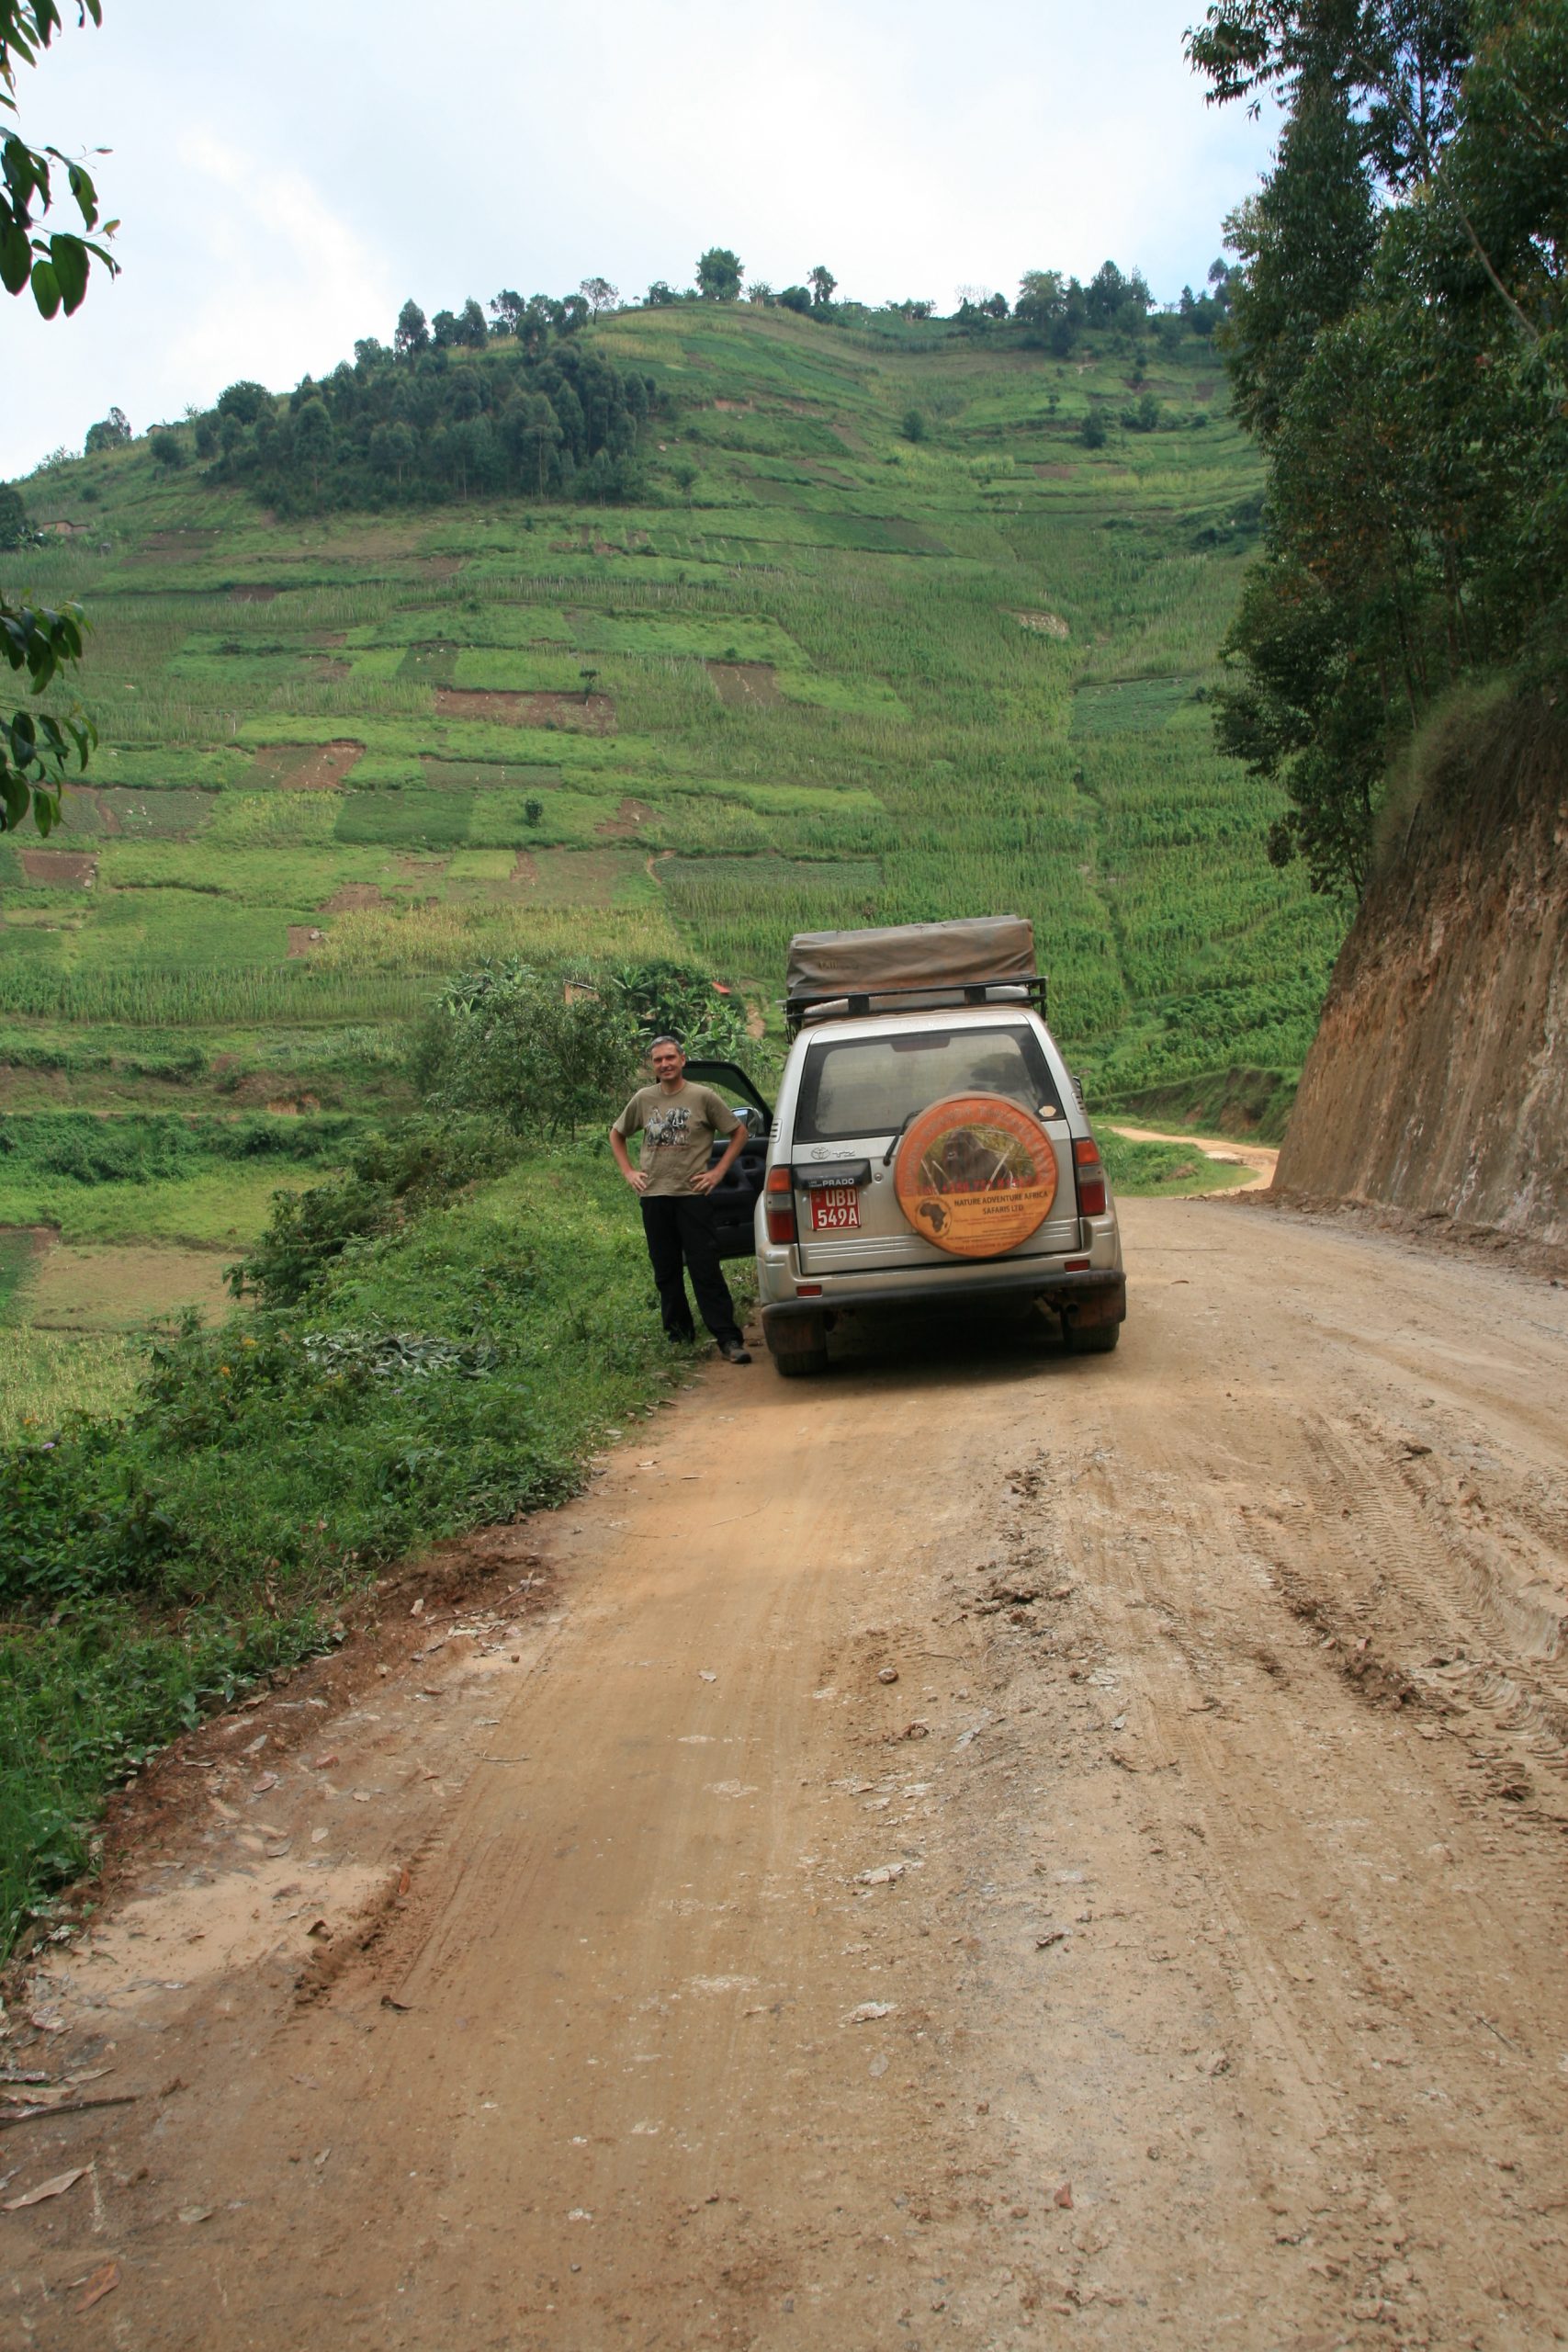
x=912, y=956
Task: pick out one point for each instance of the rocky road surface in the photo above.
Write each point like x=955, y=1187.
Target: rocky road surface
x=987, y=1849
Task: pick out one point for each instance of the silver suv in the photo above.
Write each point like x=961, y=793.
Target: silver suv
x=930, y=1149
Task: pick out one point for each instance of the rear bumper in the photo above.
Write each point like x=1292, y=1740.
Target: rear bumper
x=1096, y=1294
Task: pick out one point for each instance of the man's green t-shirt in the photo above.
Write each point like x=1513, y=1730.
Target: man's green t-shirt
x=677, y=1134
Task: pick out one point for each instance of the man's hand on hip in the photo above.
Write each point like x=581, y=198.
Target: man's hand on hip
x=706, y=1180
x=637, y=1179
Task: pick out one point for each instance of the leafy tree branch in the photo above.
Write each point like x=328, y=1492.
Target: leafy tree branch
x=36, y=748
x=55, y=264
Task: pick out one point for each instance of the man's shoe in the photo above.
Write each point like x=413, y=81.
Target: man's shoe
x=734, y=1351
x=680, y=1339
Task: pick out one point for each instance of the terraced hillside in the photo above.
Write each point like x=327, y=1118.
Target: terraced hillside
x=836, y=675
x=839, y=675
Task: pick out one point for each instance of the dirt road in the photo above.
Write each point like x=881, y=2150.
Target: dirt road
x=1172, y=1953
x=1262, y=1159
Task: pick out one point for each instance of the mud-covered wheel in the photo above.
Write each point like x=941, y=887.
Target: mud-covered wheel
x=1098, y=1340
x=802, y=1365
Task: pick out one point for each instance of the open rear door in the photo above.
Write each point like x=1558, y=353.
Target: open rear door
x=735, y=1201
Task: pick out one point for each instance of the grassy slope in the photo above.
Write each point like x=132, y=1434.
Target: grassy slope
x=911, y=749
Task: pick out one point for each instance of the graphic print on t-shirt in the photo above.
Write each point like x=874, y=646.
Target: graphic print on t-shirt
x=667, y=1129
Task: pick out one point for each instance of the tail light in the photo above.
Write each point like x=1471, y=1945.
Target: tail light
x=1090, y=1173
x=779, y=1195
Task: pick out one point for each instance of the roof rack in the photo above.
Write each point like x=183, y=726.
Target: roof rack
x=856, y=1004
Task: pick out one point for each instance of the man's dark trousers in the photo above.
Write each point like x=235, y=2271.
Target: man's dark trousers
x=680, y=1227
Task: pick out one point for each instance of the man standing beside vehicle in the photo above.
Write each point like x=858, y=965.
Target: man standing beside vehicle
x=678, y=1123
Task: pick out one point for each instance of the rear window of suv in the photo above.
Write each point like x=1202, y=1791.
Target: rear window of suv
x=872, y=1086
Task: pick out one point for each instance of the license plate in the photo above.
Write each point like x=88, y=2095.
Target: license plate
x=835, y=1208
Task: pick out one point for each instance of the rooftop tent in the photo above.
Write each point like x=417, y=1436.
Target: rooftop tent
x=982, y=949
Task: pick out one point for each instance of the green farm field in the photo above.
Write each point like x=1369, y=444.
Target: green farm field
x=834, y=675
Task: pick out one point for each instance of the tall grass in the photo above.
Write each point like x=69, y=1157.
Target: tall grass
x=238, y=996
x=46, y=1374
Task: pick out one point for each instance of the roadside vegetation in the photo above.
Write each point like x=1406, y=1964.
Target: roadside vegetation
x=427, y=1348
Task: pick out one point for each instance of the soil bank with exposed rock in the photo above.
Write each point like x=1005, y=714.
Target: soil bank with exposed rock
x=1439, y=1080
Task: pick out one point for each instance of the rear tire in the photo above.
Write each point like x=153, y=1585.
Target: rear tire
x=797, y=1345
x=1098, y=1340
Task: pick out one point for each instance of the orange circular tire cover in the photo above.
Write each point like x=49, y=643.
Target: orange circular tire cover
x=975, y=1175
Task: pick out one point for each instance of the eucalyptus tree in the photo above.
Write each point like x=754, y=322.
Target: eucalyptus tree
x=1398, y=341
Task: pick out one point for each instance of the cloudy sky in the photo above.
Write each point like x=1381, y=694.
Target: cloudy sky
x=287, y=171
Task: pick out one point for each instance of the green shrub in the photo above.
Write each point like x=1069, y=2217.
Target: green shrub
x=391, y=1176
x=529, y=1048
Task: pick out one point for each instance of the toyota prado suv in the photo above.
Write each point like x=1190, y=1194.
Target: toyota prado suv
x=930, y=1148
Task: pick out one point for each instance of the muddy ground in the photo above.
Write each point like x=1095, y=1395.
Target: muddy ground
x=986, y=1850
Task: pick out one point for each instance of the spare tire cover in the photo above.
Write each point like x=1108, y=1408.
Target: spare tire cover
x=975, y=1174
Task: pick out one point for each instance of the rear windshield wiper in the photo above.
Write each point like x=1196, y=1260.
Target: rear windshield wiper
x=887, y=1155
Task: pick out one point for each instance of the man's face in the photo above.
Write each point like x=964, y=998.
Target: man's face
x=667, y=1062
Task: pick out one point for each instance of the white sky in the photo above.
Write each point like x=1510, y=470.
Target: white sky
x=287, y=171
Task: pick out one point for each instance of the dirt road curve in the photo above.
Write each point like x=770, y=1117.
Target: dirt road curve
x=1172, y=1954
x=1261, y=1158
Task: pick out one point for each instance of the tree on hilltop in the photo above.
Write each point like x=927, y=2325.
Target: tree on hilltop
x=1113, y=300
x=720, y=273
x=796, y=298
x=822, y=283
x=506, y=311
x=599, y=294
x=543, y=318
x=243, y=401
x=660, y=294
x=1041, y=297
x=109, y=433
x=1204, y=312
x=411, y=334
